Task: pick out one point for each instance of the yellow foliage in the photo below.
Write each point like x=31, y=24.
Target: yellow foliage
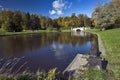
x=116, y=2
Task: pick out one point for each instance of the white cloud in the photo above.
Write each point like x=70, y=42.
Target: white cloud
x=59, y=12
x=52, y=12
x=59, y=6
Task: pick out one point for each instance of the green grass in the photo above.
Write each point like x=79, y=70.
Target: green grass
x=3, y=33
x=111, y=42
x=93, y=75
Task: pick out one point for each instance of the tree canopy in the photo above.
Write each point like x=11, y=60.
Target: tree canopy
x=107, y=16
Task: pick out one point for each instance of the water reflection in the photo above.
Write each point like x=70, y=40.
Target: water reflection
x=47, y=50
x=80, y=33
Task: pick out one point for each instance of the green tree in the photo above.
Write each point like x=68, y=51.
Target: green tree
x=11, y=21
x=81, y=20
x=17, y=20
x=7, y=26
x=34, y=22
x=87, y=21
x=107, y=16
x=43, y=22
x=6, y=19
x=49, y=23
x=26, y=21
x=74, y=20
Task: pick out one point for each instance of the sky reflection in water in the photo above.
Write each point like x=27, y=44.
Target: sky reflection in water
x=47, y=50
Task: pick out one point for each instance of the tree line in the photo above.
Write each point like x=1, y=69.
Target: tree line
x=16, y=21
x=80, y=20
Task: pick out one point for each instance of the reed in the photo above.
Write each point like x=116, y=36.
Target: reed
x=7, y=72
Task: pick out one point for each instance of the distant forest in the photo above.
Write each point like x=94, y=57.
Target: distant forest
x=104, y=17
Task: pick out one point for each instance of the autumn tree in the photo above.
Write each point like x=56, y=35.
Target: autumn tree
x=117, y=2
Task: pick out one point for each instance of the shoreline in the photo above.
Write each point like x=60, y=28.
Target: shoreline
x=100, y=43
x=28, y=32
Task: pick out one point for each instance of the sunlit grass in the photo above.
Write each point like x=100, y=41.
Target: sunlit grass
x=111, y=41
x=93, y=75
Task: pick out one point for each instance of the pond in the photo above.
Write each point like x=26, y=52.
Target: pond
x=44, y=51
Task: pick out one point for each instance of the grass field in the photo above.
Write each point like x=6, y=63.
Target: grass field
x=111, y=42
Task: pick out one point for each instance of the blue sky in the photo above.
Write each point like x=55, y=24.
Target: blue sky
x=52, y=8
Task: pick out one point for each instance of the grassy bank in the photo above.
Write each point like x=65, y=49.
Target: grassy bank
x=3, y=33
x=111, y=41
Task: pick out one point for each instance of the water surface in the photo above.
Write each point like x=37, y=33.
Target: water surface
x=45, y=51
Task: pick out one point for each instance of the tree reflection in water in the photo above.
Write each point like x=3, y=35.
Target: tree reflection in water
x=48, y=50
